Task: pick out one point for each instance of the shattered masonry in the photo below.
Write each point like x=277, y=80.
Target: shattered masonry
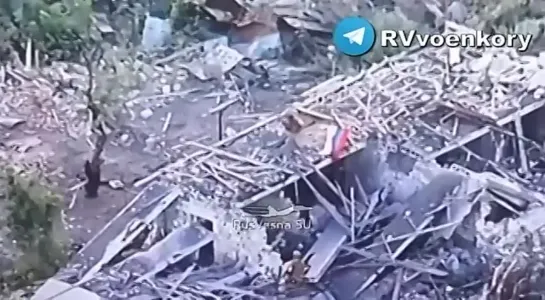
x=249, y=245
x=421, y=110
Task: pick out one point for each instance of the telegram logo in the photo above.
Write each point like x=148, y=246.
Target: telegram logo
x=354, y=36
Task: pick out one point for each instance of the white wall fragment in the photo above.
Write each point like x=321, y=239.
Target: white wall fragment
x=157, y=33
x=248, y=245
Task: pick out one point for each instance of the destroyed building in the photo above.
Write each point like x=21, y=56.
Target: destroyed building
x=445, y=154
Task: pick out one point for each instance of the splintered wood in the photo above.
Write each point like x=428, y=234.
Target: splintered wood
x=410, y=97
x=428, y=102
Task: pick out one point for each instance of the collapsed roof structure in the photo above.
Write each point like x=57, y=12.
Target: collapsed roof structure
x=440, y=151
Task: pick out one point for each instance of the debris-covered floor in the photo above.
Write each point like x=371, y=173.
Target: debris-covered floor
x=45, y=125
x=440, y=194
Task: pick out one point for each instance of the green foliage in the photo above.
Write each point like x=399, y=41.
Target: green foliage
x=51, y=24
x=116, y=74
x=34, y=219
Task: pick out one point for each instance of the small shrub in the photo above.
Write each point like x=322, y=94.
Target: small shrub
x=34, y=219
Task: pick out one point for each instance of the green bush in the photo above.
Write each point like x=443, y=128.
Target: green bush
x=34, y=220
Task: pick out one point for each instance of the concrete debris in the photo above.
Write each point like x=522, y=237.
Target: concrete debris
x=264, y=47
x=438, y=190
x=167, y=252
x=102, y=25
x=157, y=33
x=272, y=30
x=146, y=113
x=10, y=122
x=207, y=60
x=244, y=13
x=116, y=184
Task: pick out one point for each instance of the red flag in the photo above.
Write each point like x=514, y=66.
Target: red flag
x=341, y=142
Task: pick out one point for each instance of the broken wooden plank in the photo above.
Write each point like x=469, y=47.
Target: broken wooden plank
x=484, y=130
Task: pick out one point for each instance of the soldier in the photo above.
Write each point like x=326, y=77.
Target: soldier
x=295, y=270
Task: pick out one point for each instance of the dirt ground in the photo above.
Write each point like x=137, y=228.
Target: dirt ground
x=41, y=137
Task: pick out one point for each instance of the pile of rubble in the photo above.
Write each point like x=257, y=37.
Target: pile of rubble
x=439, y=193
